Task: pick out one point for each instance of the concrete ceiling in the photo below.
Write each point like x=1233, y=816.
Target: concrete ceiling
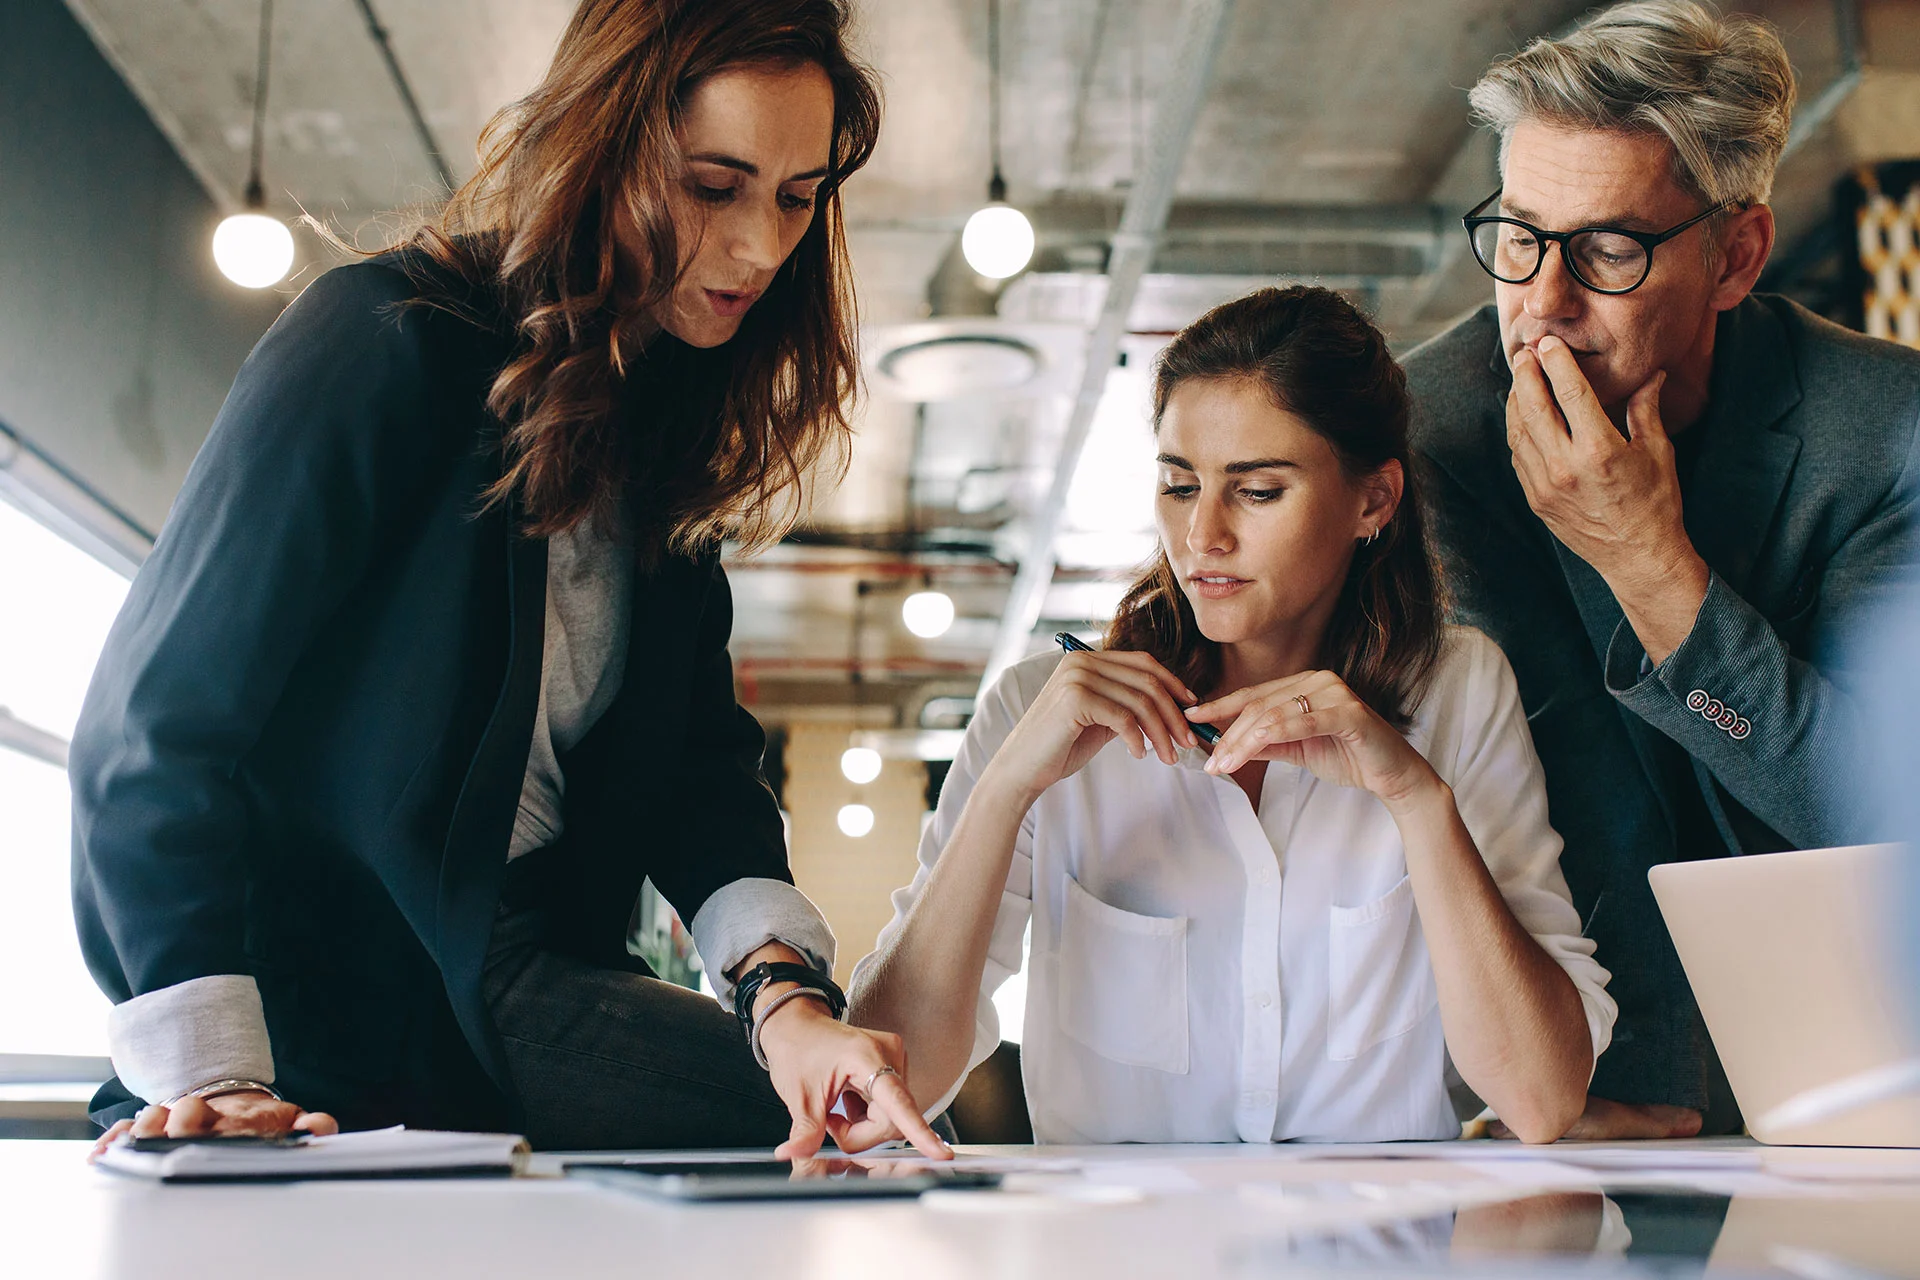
x=1335, y=143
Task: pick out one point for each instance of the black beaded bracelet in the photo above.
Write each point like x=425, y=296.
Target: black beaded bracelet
x=745, y=991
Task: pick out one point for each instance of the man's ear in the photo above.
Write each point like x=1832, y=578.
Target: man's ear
x=1382, y=491
x=1745, y=242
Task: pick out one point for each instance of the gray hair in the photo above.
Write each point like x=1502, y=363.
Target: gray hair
x=1719, y=89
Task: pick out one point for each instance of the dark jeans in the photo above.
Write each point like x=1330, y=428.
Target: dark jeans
x=605, y=1059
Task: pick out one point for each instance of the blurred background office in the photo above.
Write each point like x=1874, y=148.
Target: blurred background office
x=1160, y=160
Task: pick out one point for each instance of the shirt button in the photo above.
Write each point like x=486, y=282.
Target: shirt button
x=1266, y=875
x=1266, y=1000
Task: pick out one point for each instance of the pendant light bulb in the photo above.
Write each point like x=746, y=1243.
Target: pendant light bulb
x=254, y=249
x=855, y=820
x=998, y=239
x=927, y=614
x=860, y=765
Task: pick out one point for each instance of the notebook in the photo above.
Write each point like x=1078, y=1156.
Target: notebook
x=377, y=1153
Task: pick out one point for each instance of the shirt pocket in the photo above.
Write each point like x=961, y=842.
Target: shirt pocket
x=1380, y=980
x=1123, y=982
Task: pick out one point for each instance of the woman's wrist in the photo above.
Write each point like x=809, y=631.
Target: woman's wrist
x=1425, y=796
x=1000, y=791
x=778, y=1026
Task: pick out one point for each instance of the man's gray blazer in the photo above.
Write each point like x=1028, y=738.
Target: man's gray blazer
x=1800, y=503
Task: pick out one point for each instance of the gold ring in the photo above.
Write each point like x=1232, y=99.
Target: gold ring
x=1306, y=708
x=867, y=1090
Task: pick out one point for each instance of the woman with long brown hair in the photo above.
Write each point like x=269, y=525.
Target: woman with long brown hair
x=427, y=672
x=1295, y=935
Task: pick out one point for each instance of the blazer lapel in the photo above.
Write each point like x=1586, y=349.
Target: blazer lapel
x=1746, y=458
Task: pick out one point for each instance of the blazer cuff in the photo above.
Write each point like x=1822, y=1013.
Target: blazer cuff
x=746, y=915
x=168, y=1041
x=1710, y=669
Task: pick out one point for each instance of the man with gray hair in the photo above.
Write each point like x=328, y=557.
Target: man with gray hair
x=1669, y=499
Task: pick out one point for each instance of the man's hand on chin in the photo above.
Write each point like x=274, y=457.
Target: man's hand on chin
x=1605, y=1121
x=1613, y=502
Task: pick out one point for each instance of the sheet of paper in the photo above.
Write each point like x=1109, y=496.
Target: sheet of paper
x=370, y=1152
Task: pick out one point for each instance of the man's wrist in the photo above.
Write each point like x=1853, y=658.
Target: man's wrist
x=1661, y=599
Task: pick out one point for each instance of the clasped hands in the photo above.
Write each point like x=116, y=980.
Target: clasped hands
x=1311, y=719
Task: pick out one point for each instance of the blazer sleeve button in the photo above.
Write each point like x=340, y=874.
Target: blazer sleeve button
x=1697, y=700
x=1713, y=709
x=1728, y=719
x=1741, y=728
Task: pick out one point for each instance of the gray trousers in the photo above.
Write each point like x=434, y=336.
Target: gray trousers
x=607, y=1059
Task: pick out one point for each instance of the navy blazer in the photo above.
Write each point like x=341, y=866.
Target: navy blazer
x=1802, y=503
x=302, y=751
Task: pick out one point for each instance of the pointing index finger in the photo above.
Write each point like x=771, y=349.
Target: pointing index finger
x=890, y=1098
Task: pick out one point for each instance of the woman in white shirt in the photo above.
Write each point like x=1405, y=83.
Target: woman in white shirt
x=1354, y=903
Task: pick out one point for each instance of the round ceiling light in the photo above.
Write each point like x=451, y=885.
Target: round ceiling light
x=960, y=364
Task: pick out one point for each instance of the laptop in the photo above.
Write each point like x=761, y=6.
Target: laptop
x=1808, y=987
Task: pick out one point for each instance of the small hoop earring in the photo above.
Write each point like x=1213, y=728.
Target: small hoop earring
x=1370, y=538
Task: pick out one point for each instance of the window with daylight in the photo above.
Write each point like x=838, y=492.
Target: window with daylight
x=56, y=603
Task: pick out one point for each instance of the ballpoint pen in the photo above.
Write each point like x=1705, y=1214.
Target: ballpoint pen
x=1067, y=640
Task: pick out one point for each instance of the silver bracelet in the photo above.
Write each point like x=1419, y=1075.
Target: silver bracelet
x=216, y=1088
x=759, y=1054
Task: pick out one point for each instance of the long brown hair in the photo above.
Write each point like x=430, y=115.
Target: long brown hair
x=535, y=229
x=1321, y=361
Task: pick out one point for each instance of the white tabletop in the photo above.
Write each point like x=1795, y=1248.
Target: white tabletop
x=1192, y=1212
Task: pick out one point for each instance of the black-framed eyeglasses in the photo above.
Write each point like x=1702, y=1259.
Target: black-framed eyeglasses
x=1604, y=259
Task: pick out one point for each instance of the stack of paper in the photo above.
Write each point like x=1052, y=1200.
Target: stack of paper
x=376, y=1153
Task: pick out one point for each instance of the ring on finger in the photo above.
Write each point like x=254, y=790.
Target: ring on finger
x=866, y=1090
x=1306, y=708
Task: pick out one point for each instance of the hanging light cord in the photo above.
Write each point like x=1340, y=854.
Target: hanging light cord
x=256, y=195
x=997, y=185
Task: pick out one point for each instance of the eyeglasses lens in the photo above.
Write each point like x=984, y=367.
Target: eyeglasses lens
x=1601, y=259
x=1608, y=261
x=1506, y=250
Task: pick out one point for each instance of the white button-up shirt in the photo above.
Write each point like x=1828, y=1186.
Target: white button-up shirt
x=1202, y=972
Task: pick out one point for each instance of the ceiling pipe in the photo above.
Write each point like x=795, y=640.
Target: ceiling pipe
x=428, y=142
x=1141, y=222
